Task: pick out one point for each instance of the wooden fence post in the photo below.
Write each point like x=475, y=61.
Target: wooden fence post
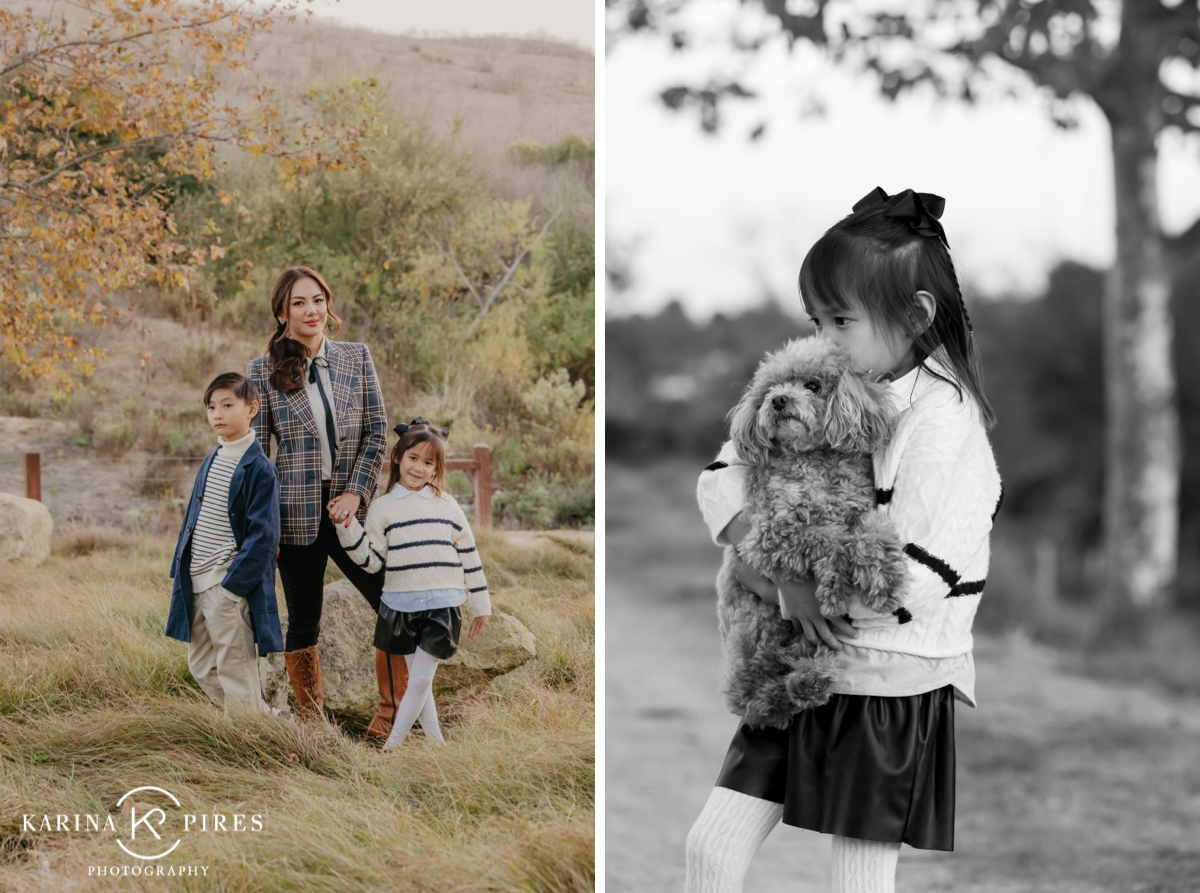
x=483, y=485
x=33, y=476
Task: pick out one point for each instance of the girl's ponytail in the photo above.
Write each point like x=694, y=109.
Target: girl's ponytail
x=287, y=357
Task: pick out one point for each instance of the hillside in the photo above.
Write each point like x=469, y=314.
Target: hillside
x=502, y=89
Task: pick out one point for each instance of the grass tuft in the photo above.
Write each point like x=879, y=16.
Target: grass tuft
x=95, y=700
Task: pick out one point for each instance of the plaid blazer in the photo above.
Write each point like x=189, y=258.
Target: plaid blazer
x=362, y=435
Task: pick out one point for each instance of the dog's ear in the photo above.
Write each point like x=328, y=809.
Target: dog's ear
x=752, y=443
x=858, y=417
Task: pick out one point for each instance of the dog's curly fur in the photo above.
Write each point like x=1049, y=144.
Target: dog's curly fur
x=806, y=425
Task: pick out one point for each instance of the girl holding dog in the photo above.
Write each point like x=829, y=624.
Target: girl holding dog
x=874, y=766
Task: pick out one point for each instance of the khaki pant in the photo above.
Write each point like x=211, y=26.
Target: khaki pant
x=221, y=654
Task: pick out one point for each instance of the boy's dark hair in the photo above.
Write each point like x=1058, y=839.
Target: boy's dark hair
x=243, y=388
x=878, y=262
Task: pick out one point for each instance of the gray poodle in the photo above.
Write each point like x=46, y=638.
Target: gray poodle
x=806, y=425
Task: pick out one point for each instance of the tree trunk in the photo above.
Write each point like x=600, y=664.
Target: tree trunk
x=1142, y=461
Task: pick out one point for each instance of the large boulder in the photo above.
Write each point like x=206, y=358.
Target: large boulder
x=348, y=656
x=25, y=528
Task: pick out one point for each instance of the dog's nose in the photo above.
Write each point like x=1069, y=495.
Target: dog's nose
x=779, y=402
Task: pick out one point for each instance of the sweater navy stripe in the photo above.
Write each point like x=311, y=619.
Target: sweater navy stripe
x=472, y=570
x=359, y=543
x=716, y=466
x=415, y=567
x=464, y=551
x=416, y=543
x=935, y=564
x=478, y=589
x=883, y=497
x=392, y=527
x=903, y=615
x=973, y=588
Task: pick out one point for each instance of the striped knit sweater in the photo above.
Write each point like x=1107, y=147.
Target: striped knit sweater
x=213, y=543
x=938, y=481
x=424, y=544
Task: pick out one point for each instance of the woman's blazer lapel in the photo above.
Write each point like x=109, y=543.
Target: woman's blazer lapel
x=302, y=410
x=341, y=377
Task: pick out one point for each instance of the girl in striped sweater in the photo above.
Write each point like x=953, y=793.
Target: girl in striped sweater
x=420, y=536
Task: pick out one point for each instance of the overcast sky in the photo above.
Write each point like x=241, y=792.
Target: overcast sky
x=721, y=222
x=572, y=20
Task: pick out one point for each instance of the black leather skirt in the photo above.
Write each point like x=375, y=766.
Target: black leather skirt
x=434, y=630
x=872, y=768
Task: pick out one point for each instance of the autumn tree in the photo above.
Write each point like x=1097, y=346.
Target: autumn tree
x=1137, y=62
x=108, y=111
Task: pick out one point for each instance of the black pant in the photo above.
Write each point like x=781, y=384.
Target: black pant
x=302, y=570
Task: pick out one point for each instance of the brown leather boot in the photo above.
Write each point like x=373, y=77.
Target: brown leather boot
x=391, y=672
x=304, y=672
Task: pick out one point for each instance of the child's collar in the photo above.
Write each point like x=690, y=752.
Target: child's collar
x=400, y=491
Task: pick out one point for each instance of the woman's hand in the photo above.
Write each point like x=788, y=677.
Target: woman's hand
x=799, y=604
x=477, y=626
x=342, y=508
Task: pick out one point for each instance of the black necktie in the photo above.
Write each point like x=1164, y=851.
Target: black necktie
x=329, y=426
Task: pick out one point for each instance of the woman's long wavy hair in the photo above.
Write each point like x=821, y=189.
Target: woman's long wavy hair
x=287, y=355
x=877, y=264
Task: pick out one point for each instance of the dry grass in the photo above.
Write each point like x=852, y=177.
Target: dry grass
x=95, y=700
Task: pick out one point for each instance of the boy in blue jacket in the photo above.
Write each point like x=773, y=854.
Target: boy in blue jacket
x=223, y=600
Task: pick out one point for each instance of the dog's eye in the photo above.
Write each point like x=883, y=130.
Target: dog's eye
x=814, y=386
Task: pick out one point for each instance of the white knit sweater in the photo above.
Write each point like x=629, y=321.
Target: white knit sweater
x=937, y=480
x=427, y=544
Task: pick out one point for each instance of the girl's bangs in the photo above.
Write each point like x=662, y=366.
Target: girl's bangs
x=828, y=279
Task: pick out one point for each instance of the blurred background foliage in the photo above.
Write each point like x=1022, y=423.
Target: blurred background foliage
x=479, y=310
x=671, y=382
x=409, y=245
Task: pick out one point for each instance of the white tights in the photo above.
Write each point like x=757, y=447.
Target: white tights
x=731, y=828
x=417, y=702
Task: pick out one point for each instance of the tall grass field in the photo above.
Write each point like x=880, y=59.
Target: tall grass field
x=95, y=701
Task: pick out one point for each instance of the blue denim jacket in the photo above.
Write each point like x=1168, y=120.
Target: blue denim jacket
x=254, y=517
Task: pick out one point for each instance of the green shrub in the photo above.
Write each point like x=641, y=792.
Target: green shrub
x=194, y=362
x=114, y=438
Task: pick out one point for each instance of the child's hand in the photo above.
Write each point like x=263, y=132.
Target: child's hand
x=799, y=603
x=761, y=586
x=477, y=626
x=342, y=508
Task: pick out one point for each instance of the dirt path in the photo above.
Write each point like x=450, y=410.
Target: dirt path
x=1065, y=784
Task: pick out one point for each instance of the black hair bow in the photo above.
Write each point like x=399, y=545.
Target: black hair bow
x=402, y=427
x=920, y=210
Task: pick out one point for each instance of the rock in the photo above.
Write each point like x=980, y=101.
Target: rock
x=504, y=645
x=348, y=656
x=25, y=528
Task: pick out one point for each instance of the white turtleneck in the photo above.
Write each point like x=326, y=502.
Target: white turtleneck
x=213, y=544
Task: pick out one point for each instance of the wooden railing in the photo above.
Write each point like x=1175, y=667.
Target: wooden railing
x=479, y=467
x=481, y=471
x=33, y=476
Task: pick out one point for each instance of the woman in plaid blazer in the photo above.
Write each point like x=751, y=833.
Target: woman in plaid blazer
x=322, y=404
